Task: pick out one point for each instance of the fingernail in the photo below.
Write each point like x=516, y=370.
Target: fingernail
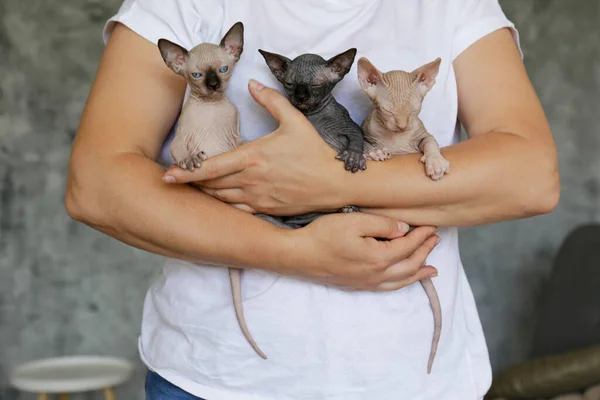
x=256, y=85
x=169, y=179
x=433, y=275
x=402, y=226
x=437, y=240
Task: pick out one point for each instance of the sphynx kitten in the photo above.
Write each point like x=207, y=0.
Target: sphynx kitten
x=209, y=124
x=308, y=81
x=393, y=127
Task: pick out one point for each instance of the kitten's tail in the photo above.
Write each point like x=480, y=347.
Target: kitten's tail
x=434, y=301
x=236, y=292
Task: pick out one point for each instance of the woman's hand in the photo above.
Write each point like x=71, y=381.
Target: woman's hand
x=288, y=172
x=341, y=250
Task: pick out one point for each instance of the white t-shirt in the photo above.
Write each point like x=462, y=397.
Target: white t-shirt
x=322, y=343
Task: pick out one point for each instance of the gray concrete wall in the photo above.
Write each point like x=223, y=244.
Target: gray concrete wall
x=66, y=289
x=508, y=263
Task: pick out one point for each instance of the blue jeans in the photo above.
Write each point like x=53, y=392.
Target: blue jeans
x=157, y=388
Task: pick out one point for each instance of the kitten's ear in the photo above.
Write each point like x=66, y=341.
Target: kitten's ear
x=174, y=55
x=233, y=41
x=278, y=64
x=368, y=76
x=425, y=76
x=340, y=65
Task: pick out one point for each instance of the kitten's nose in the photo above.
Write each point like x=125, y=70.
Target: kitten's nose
x=212, y=81
x=402, y=123
x=301, y=93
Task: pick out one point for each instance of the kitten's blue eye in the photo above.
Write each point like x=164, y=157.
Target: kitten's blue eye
x=224, y=69
x=196, y=75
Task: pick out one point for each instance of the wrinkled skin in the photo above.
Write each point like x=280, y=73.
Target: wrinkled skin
x=209, y=122
x=308, y=81
x=394, y=127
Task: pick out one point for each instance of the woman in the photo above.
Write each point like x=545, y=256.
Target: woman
x=335, y=310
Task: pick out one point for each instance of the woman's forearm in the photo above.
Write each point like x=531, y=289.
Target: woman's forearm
x=115, y=186
x=508, y=168
x=493, y=177
x=125, y=197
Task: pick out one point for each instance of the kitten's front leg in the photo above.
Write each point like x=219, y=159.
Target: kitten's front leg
x=435, y=164
x=183, y=156
x=352, y=155
x=374, y=149
x=376, y=152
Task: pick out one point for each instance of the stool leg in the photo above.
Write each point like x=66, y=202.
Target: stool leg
x=43, y=396
x=109, y=394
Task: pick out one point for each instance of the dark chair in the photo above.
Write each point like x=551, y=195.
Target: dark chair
x=566, y=352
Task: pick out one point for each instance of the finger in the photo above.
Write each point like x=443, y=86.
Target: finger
x=400, y=248
x=275, y=103
x=217, y=166
x=232, y=196
x=379, y=227
x=424, y=272
x=420, y=256
x=410, y=265
x=245, y=207
x=226, y=182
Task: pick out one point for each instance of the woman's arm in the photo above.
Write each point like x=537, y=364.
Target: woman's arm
x=507, y=168
x=114, y=182
x=115, y=186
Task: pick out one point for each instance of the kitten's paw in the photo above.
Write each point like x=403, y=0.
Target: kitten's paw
x=379, y=154
x=353, y=160
x=435, y=166
x=194, y=161
x=349, y=209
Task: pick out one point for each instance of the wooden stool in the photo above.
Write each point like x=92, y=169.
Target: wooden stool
x=64, y=375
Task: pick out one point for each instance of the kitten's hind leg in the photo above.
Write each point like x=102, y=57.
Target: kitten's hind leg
x=298, y=221
x=275, y=221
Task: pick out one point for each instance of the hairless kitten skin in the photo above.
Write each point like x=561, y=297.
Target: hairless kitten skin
x=308, y=81
x=393, y=127
x=209, y=124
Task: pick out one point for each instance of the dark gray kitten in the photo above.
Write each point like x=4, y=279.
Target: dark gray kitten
x=308, y=81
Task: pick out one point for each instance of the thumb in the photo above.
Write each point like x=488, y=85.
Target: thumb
x=380, y=227
x=275, y=103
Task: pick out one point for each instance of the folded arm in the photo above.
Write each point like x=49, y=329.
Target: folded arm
x=507, y=169
x=114, y=183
